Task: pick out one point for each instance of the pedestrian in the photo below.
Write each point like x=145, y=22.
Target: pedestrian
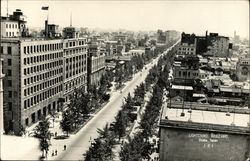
x=55, y=152
x=64, y=147
x=52, y=153
x=55, y=134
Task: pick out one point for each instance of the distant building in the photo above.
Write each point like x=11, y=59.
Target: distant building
x=187, y=45
x=216, y=46
x=14, y=25
x=193, y=133
x=186, y=63
x=95, y=64
x=167, y=36
x=243, y=68
x=121, y=38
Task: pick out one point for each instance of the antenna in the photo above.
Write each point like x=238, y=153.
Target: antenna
x=7, y=8
x=70, y=19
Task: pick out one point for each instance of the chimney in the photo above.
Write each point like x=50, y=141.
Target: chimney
x=46, y=28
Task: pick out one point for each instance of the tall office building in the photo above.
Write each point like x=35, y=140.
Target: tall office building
x=40, y=74
x=34, y=79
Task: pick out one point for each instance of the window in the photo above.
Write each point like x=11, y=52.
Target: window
x=9, y=50
x=10, y=106
x=10, y=94
x=25, y=105
x=1, y=50
x=9, y=62
x=9, y=72
x=26, y=121
x=9, y=83
x=6, y=25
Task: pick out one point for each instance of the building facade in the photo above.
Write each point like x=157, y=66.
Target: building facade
x=14, y=25
x=201, y=135
x=243, y=68
x=186, y=63
x=34, y=79
x=1, y=97
x=75, y=65
x=96, y=64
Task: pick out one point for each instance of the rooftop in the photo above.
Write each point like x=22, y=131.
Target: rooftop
x=208, y=117
x=182, y=87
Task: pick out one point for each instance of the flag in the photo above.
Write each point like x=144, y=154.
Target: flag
x=45, y=8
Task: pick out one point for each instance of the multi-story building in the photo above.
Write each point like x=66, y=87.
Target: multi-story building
x=1, y=97
x=14, y=25
x=95, y=64
x=34, y=79
x=186, y=65
x=213, y=45
x=194, y=132
x=75, y=65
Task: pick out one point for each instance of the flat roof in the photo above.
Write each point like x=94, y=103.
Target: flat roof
x=207, y=117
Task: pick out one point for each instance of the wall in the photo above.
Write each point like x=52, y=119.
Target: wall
x=191, y=145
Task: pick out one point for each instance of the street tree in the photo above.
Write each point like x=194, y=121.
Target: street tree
x=43, y=134
x=120, y=124
x=67, y=121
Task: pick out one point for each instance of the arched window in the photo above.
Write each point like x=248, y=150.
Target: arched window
x=244, y=71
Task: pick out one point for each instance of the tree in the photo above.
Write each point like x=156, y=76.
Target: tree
x=129, y=103
x=120, y=124
x=66, y=122
x=43, y=134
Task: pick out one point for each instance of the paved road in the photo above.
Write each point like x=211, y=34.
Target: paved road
x=80, y=143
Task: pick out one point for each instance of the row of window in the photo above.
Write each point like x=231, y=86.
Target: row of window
x=75, y=66
x=192, y=49
x=41, y=58
x=244, y=62
x=41, y=86
x=42, y=48
x=42, y=96
x=98, y=63
x=11, y=34
x=72, y=84
x=76, y=58
x=74, y=43
x=42, y=76
x=75, y=72
x=9, y=50
x=11, y=26
x=41, y=67
x=75, y=51
x=188, y=74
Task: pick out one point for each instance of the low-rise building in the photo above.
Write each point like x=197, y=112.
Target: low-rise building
x=200, y=135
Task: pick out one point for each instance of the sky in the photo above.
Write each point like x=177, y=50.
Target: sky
x=191, y=16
